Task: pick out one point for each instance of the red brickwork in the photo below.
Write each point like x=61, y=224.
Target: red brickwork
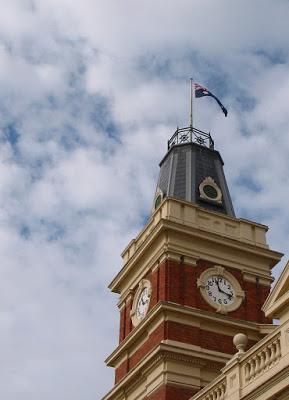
x=176, y=282
x=181, y=333
x=191, y=291
x=128, y=323
x=154, y=339
x=154, y=279
x=179, y=283
x=168, y=392
x=121, y=371
x=163, y=284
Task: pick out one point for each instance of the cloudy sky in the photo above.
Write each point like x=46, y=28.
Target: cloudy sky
x=90, y=91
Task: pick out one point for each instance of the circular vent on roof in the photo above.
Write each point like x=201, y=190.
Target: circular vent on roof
x=158, y=200
x=159, y=196
x=210, y=191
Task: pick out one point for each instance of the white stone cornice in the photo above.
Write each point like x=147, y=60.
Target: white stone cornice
x=187, y=230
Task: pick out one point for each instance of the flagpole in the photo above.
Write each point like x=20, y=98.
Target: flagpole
x=191, y=107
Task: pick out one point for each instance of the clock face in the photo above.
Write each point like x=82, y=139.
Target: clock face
x=143, y=303
x=220, y=290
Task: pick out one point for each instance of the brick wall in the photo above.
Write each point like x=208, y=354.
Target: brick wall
x=168, y=392
x=181, y=333
x=176, y=282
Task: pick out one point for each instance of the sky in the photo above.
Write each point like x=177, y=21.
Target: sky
x=90, y=92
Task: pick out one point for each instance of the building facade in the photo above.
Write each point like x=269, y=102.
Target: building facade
x=194, y=278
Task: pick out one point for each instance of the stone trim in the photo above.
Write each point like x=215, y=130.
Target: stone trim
x=224, y=237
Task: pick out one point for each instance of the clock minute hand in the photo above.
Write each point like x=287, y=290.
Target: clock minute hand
x=228, y=294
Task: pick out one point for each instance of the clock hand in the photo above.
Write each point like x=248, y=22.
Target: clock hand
x=229, y=295
x=144, y=302
x=222, y=291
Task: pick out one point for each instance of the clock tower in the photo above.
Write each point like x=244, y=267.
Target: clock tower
x=194, y=277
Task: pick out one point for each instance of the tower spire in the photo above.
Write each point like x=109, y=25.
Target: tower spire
x=192, y=170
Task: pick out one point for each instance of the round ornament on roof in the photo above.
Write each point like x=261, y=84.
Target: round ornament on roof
x=159, y=196
x=210, y=191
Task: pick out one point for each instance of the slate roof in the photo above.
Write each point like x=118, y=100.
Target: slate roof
x=185, y=166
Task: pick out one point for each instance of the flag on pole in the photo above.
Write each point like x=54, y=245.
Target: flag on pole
x=201, y=91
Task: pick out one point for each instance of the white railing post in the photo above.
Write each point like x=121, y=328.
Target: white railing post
x=233, y=378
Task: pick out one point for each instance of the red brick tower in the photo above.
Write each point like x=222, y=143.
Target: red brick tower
x=194, y=277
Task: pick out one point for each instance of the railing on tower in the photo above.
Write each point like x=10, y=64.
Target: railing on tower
x=191, y=135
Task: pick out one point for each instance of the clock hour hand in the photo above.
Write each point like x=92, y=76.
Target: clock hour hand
x=222, y=291
x=144, y=302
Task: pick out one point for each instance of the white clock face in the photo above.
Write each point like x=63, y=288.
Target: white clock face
x=143, y=303
x=220, y=290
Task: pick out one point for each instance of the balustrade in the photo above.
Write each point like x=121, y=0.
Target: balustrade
x=246, y=368
x=263, y=360
x=217, y=393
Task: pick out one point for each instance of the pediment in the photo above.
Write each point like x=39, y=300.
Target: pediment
x=277, y=303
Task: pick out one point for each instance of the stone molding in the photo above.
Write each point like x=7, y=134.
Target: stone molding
x=208, y=235
x=186, y=315
x=147, y=370
x=277, y=303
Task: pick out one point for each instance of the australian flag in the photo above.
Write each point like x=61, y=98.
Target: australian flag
x=201, y=91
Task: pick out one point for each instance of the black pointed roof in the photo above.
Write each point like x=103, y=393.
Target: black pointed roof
x=192, y=170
